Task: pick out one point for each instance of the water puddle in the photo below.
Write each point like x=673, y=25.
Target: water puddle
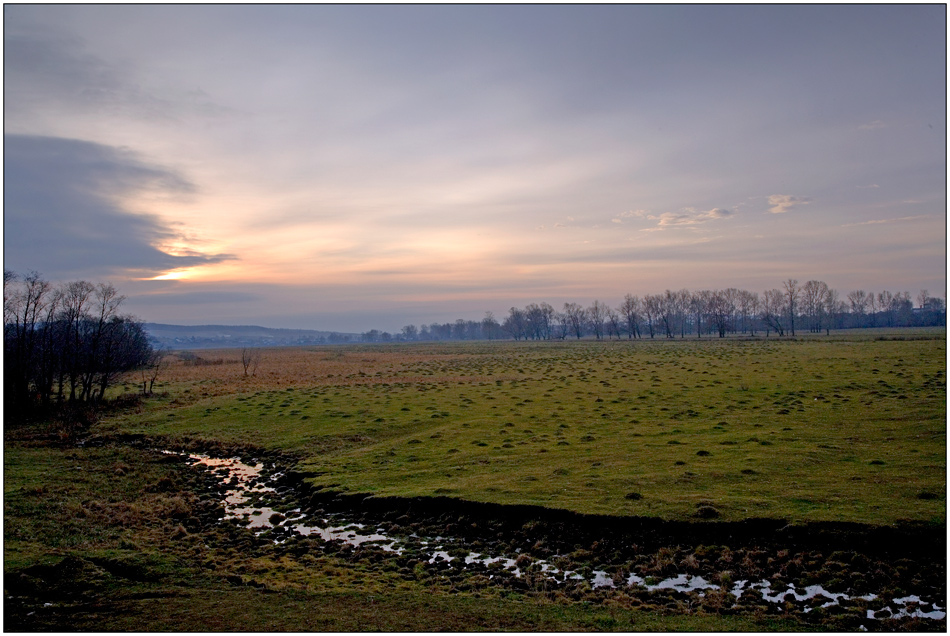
x=248, y=492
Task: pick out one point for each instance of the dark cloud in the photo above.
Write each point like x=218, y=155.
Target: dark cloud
x=54, y=61
x=42, y=68
x=48, y=70
x=62, y=216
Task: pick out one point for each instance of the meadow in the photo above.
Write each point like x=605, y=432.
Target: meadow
x=848, y=428
x=851, y=428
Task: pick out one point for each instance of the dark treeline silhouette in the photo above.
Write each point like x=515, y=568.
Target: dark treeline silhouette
x=65, y=345
x=812, y=307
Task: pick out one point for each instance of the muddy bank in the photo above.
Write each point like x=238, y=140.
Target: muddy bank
x=908, y=540
x=903, y=541
x=840, y=576
x=574, y=557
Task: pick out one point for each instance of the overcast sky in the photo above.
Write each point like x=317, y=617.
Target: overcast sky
x=355, y=167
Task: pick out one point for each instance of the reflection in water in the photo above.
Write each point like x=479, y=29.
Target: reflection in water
x=247, y=486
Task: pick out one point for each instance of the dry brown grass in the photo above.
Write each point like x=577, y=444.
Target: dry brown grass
x=219, y=372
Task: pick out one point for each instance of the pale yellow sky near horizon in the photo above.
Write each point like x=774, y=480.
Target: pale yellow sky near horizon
x=335, y=167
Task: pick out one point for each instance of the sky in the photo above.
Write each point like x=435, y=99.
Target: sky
x=346, y=168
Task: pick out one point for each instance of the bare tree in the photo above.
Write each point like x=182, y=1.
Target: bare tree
x=872, y=309
x=835, y=308
x=630, y=311
x=904, y=307
x=719, y=311
x=596, y=315
x=576, y=318
x=614, y=325
x=548, y=317
x=885, y=302
x=699, y=307
x=157, y=363
x=539, y=319
x=858, y=299
x=934, y=305
x=745, y=310
x=683, y=305
x=23, y=306
x=773, y=311
x=75, y=298
x=250, y=359
x=792, y=293
x=669, y=306
x=748, y=308
x=652, y=307
x=70, y=337
x=50, y=344
x=98, y=370
x=490, y=326
x=813, y=303
x=561, y=325
x=515, y=323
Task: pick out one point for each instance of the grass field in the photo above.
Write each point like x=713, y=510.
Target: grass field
x=850, y=427
x=112, y=539
x=817, y=429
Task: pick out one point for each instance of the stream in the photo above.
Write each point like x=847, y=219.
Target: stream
x=250, y=488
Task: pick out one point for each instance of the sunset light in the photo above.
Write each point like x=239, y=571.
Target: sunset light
x=176, y=275
x=386, y=165
x=454, y=317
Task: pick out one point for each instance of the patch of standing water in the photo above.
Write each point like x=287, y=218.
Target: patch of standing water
x=808, y=593
x=681, y=583
x=247, y=486
x=245, y=480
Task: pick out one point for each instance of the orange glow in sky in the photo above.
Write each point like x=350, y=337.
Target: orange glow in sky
x=392, y=164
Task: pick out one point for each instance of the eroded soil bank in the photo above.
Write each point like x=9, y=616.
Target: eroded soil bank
x=606, y=554
x=865, y=577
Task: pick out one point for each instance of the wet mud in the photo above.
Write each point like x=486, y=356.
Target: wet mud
x=838, y=576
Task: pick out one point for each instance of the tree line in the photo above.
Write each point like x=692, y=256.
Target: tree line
x=66, y=344
x=811, y=307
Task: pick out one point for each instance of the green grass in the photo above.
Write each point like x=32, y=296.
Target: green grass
x=849, y=428
x=402, y=612
x=89, y=500
x=846, y=428
x=93, y=542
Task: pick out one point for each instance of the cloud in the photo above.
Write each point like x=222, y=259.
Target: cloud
x=634, y=213
x=687, y=218
x=49, y=71
x=903, y=219
x=782, y=203
x=39, y=66
x=64, y=215
x=716, y=213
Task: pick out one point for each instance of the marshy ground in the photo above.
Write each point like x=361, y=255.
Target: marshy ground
x=647, y=458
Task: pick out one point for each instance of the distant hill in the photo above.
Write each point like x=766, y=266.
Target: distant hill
x=226, y=336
